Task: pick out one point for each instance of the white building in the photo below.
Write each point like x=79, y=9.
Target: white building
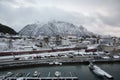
x=66, y=42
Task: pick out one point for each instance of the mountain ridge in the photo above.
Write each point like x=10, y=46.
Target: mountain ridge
x=53, y=28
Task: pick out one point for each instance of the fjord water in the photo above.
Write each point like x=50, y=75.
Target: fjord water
x=81, y=70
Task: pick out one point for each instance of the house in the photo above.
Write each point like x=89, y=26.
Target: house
x=103, y=41
x=105, y=47
x=66, y=42
x=91, y=40
x=73, y=39
x=92, y=48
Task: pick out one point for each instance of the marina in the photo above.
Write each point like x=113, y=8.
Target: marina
x=81, y=71
x=43, y=78
x=57, y=61
x=36, y=76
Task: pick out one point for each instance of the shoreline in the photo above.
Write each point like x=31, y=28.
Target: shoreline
x=29, y=65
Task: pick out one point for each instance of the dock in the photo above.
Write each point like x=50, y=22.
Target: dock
x=26, y=76
x=42, y=78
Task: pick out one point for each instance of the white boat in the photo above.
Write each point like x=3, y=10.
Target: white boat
x=58, y=63
x=35, y=74
x=19, y=75
x=27, y=75
x=57, y=74
x=51, y=63
x=98, y=71
x=9, y=74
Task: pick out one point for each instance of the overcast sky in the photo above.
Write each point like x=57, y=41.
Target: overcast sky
x=98, y=16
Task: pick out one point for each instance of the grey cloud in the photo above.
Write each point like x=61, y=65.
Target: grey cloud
x=17, y=18
x=113, y=20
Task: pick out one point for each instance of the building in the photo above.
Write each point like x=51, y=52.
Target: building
x=107, y=48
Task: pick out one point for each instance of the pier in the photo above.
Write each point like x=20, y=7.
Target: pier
x=42, y=78
x=48, y=61
x=29, y=76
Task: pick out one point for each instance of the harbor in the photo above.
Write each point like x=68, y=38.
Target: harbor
x=58, y=60
x=81, y=71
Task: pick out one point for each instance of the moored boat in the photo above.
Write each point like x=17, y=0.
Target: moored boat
x=9, y=74
x=19, y=74
x=35, y=74
x=98, y=71
x=57, y=74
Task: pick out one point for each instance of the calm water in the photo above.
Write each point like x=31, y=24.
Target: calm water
x=82, y=71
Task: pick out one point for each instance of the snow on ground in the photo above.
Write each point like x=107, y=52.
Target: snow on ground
x=41, y=54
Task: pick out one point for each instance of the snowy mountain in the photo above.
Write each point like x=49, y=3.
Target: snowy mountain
x=54, y=28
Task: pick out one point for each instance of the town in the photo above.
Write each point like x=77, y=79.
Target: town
x=63, y=48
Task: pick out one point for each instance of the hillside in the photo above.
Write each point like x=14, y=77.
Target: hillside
x=5, y=29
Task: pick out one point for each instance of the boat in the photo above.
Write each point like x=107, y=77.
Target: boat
x=57, y=74
x=58, y=63
x=55, y=63
x=28, y=74
x=51, y=63
x=35, y=74
x=9, y=74
x=98, y=71
x=19, y=74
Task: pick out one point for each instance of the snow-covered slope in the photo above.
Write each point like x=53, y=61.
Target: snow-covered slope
x=54, y=28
